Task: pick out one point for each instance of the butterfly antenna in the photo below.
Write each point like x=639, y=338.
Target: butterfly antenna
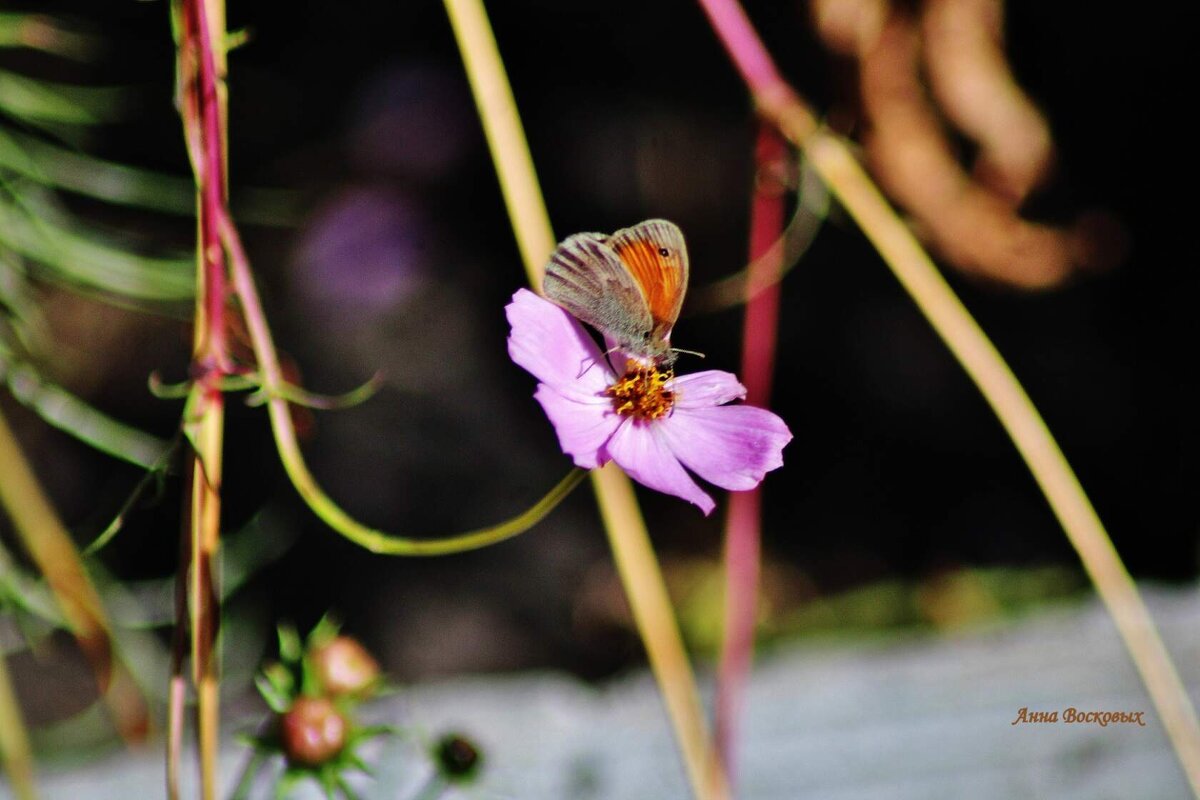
x=681, y=351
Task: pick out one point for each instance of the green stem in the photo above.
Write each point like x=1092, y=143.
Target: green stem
x=273, y=384
x=249, y=771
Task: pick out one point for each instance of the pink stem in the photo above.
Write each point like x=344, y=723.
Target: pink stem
x=766, y=226
x=204, y=123
x=775, y=99
x=729, y=20
x=212, y=183
x=743, y=527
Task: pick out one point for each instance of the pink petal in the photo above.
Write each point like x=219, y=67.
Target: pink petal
x=733, y=447
x=553, y=346
x=704, y=389
x=639, y=449
x=582, y=428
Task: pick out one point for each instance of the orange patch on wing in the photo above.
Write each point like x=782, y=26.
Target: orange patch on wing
x=659, y=277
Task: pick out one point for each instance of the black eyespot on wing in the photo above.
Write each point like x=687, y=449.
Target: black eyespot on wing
x=664, y=252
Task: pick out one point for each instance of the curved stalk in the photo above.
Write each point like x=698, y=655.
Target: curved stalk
x=912, y=266
x=274, y=389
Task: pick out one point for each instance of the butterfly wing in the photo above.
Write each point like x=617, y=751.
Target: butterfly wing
x=586, y=277
x=655, y=253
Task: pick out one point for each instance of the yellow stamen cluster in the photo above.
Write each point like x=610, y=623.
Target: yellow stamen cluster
x=640, y=392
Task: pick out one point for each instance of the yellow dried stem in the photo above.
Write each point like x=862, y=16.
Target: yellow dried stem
x=627, y=533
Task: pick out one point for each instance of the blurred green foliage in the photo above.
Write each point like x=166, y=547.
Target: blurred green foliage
x=40, y=240
x=791, y=606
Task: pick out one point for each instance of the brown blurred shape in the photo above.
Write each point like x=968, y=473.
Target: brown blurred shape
x=972, y=220
x=969, y=76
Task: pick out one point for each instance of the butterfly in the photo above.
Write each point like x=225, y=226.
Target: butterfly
x=629, y=286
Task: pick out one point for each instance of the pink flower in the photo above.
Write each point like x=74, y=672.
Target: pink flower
x=653, y=424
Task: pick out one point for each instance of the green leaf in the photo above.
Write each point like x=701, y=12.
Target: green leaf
x=39, y=32
x=345, y=787
x=120, y=184
x=278, y=701
x=302, y=397
x=21, y=590
x=367, y=732
x=351, y=760
x=257, y=758
x=324, y=631
x=80, y=258
x=281, y=679
x=42, y=101
x=329, y=779
x=64, y=168
x=22, y=316
x=89, y=425
x=291, y=649
x=156, y=475
x=189, y=426
x=151, y=603
x=288, y=780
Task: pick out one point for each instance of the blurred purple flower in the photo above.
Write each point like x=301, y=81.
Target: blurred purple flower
x=364, y=252
x=650, y=422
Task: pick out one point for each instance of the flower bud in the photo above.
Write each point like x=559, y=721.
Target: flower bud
x=344, y=667
x=313, y=731
x=457, y=757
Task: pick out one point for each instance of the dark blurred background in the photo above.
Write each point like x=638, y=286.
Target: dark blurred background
x=400, y=258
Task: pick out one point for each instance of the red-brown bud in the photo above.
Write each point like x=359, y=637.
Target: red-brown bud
x=313, y=731
x=344, y=667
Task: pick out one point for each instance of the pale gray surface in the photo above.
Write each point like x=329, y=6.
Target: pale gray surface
x=915, y=719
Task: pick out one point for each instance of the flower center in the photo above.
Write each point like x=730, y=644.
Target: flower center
x=640, y=393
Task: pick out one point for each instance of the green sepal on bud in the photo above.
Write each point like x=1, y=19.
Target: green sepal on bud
x=313, y=691
x=291, y=649
x=276, y=684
